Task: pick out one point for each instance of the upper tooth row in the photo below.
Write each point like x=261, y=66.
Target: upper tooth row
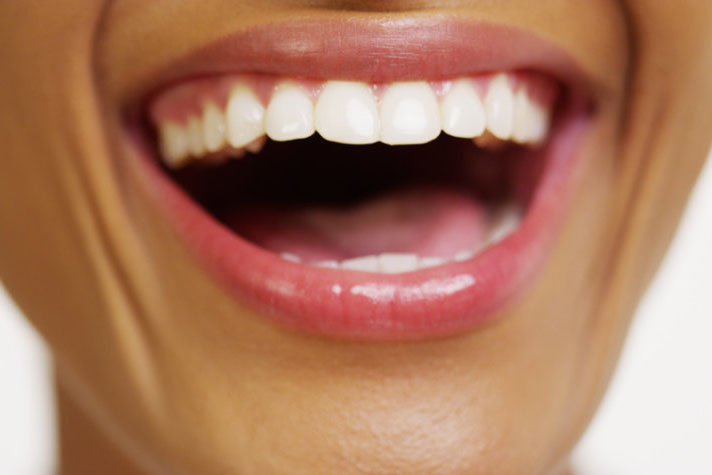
x=349, y=112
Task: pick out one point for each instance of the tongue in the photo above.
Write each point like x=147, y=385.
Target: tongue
x=429, y=223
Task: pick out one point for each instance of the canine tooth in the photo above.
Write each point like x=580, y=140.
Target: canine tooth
x=213, y=128
x=328, y=264
x=409, y=114
x=425, y=262
x=499, y=105
x=174, y=144
x=394, y=263
x=531, y=121
x=346, y=112
x=462, y=112
x=245, y=117
x=464, y=255
x=365, y=263
x=195, y=137
x=256, y=145
x=290, y=114
x=288, y=256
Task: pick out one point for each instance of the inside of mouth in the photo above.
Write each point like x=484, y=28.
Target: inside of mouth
x=324, y=203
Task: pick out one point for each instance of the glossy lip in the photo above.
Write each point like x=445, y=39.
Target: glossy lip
x=429, y=303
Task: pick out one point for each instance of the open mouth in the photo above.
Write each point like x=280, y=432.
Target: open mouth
x=418, y=199
x=374, y=209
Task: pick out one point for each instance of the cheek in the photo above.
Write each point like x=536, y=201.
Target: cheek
x=48, y=240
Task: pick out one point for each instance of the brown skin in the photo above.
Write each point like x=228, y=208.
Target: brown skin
x=161, y=371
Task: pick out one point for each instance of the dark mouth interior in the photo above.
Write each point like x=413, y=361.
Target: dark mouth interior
x=320, y=200
x=316, y=172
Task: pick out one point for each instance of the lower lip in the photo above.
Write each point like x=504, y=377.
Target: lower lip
x=430, y=303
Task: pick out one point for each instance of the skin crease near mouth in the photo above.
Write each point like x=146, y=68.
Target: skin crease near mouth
x=160, y=369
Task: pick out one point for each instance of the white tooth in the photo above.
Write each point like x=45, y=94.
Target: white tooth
x=290, y=114
x=426, y=262
x=256, y=145
x=499, y=104
x=213, y=128
x=409, y=114
x=195, y=137
x=531, y=120
x=327, y=264
x=365, y=263
x=538, y=122
x=174, y=144
x=521, y=127
x=462, y=112
x=506, y=221
x=464, y=255
x=288, y=256
x=395, y=263
x=245, y=116
x=346, y=112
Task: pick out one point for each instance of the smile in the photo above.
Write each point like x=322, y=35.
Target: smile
x=389, y=181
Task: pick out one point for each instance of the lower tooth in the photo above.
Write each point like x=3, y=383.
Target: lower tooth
x=366, y=264
x=425, y=262
x=464, y=255
x=327, y=264
x=506, y=221
x=290, y=257
x=395, y=263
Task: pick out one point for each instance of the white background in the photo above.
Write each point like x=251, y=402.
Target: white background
x=655, y=420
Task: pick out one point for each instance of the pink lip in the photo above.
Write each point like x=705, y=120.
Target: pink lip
x=429, y=303
x=376, y=51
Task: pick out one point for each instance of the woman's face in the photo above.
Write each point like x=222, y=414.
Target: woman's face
x=199, y=350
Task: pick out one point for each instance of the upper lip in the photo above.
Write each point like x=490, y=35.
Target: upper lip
x=376, y=51
x=428, y=303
